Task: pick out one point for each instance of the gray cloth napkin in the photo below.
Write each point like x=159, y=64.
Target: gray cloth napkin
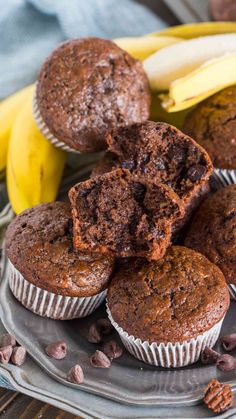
x=30, y=29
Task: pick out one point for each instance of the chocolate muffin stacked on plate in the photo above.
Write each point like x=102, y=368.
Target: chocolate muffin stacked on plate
x=213, y=232
x=159, y=151
x=213, y=125
x=45, y=273
x=86, y=88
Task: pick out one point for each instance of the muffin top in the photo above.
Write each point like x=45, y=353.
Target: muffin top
x=213, y=231
x=156, y=150
x=88, y=87
x=124, y=215
x=39, y=244
x=170, y=300
x=213, y=125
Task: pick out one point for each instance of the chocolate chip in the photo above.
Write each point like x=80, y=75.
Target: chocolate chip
x=112, y=349
x=7, y=339
x=128, y=164
x=100, y=360
x=57, y=350
x=209, y=356
x=196, y=172
x=94, y=334
x=229, y=342
x=5, y=354
x=176, y=153
x=75, y=375
x=159, y=164
x=226, y=363
x=18, y=355
x=105, y=326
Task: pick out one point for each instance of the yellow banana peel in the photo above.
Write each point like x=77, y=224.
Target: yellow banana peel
x=9, y=109
x=34, y=165
x=141, y=47
x=208, y=79
x=193, y=30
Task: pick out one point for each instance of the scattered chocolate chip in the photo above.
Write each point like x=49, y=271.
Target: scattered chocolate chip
x=7, y=339
x=218, y=397
x=75, y=375
x=209, y=356
x=226, y=363
x=112, y=349
x=94, y=334
x=18, y=355
x=5, y=354
x=57, y=350
x=97, y=330
x=229, y=342
x=105, y=326
x=196, y=172
x=100, y=360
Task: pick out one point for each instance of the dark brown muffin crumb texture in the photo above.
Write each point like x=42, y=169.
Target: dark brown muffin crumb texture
x=122, y=214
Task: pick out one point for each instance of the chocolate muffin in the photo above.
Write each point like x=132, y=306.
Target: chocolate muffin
x=88, y=87
x=213, y=125
x=213, y=231
x=40, y=249
x=179, y=299
x=157, y=150
x=124, y=215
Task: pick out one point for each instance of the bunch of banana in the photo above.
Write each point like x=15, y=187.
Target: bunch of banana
x=141, y=47
x=9, y=109
x=34, y=166
x=185, y=64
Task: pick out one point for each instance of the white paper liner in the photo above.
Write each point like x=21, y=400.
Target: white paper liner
x=232, y=291
x=48, y=304
x=168, y=355
x=223, y=177
x=45, y=130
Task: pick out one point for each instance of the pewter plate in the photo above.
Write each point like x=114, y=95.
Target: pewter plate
x=128, y=380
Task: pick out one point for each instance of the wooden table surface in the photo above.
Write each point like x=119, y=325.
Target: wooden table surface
x=15, y=405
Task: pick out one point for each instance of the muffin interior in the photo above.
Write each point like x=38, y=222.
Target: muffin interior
x=160, y=151
x=123, y=213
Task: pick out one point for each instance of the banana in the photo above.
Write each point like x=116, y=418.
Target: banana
x=34, y=165
x=8, y=111
x=208, y=79
x=141, y=47
x=194, y=30
x=175, y=61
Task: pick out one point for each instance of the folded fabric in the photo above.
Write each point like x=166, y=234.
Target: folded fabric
x=30, y=29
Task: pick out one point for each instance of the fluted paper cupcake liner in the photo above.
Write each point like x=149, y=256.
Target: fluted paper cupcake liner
x=46, y=131
x=168, y=355
x=223, y=177
x=48, y=304
x=232, y=291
